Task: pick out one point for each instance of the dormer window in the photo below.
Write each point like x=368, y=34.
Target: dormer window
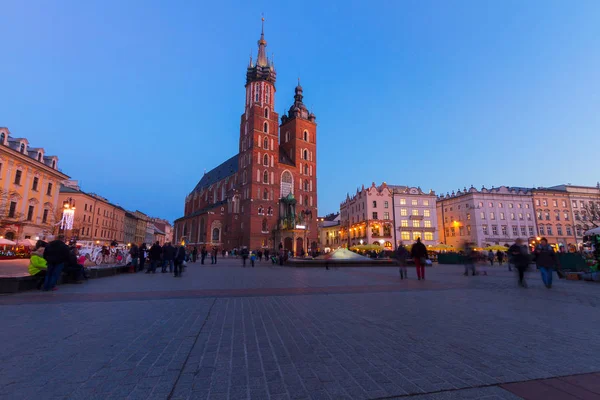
x=2, y=137
x=54, y=164
x=22, y=148
x=39, y=157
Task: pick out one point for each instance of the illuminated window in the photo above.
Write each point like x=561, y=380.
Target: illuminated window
x=416, y=224
x=427, y=224
x=416, y=235
x=428, y=236
x=426, y=213
x=405, y=235
x=403, y=202
x=404, y=223
x=415, y=212
x=403, y=212
x=415, y=202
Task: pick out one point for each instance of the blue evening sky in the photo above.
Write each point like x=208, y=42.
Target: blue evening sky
x=138, y=98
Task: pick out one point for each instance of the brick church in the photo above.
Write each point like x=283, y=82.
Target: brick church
x=265, y=196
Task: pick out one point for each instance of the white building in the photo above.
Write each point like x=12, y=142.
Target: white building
x=486, y=216
x=367, y=217
x=415, y=215
x=329, y=232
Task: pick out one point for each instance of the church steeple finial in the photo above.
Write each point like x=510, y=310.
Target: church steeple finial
x=261, y=59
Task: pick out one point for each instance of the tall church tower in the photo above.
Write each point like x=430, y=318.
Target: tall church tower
x=258, y=152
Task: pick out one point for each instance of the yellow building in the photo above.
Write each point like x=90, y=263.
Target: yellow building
x=29, y=185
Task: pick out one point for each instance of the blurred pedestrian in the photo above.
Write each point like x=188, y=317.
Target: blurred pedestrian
x=179, y=261
x=491, y=257
x=155, y=254
x=402, y=256
x=168, y=255
x=419, y=256
x=245, y=255
x=142, y=255
x=252, y=258
x=519, y=256
x=203, y=254
x=194, y=254
x=134, y=253
x=546, y=261
x=470, y=258
x=500, y=257
x=215, y=253
x=56, y=255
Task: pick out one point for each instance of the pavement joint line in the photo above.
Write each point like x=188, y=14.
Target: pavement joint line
x=191, y=349
x=487, y=385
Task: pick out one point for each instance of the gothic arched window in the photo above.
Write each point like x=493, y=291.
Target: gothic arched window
x=266, y=112
x=305, y=154
x=266, y=177
x=306, y=185
x=287, y=137
x=287, y=183
x=264, y=225
x=305, y=169
x=306, y=135
x=270, y=211
x=266, y=127
x=266, y=195
x=216, y=234
x=266, y=143
x=266, y=160
x=305, y=200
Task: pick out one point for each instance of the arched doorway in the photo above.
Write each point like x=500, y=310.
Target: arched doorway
x=299, y=246
x=9, y=236
x=288, y=244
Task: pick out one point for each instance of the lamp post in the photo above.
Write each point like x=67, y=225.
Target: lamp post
x=68, y=216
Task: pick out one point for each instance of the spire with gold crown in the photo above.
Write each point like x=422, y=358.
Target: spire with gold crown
x=262, y=69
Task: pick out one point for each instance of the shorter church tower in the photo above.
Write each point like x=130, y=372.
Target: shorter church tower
x=298, y=147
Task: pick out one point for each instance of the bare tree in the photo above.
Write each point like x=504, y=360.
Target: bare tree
x=6, y=217
x=590, y=216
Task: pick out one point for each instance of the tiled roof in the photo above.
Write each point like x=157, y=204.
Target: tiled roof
x=224, y=170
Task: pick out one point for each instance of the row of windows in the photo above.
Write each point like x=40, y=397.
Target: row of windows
x=490, y=204
x=386, y=204
x=502, y=216
x=305, y=136
x=22, y=149
x=548, y=230
x=574, y=203
x=414, y=202
x=546, y=215
x=404, y=212
x=12, y=212
x=404, y=235
x=35, y=183
x=416, y=223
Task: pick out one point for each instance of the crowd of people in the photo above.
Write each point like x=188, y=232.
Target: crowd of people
x=51, y=261
x=518, y=256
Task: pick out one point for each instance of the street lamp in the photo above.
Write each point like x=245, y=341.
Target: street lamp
x=361, y=242
x=66, y=222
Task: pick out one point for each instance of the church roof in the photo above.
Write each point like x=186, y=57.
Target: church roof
x=222, y=171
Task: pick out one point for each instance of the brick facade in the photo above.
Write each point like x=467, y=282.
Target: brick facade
x=266, y=195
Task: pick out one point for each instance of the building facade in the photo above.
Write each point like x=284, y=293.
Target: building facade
x=585, y=206
x=29, y=184
x=487, y=216
x=415, y=215
x=266, y=195
x=554, y=216
x=96, y=218
x=329, y=232
x=367, y=217
x=130, y=227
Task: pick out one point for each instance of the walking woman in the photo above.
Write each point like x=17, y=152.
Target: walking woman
x=546, y=261
x=179, y=259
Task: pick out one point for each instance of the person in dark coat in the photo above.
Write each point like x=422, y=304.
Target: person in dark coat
x=155, y=254
x=214, y=254
x=168, y=255
x=194, y=254
x=134, y=253
x=419, y=255
x=179, y=259
x=245, y=255
x=519, y=256
x=56, y=255
x=546, y=261
x=203, y=254
x=500, y=257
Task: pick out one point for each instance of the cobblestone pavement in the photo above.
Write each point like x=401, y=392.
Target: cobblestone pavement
x=14, y=268
x=224, y=332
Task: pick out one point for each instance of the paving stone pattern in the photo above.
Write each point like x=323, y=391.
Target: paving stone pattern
x=347, y=333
